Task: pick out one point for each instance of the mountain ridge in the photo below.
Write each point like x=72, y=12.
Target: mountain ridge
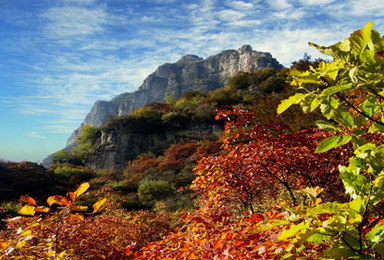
x=189, y=73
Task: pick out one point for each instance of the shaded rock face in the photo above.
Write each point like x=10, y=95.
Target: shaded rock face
x=174, y=79
x=122, y=143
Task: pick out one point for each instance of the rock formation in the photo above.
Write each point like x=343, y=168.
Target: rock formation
x=174, y=79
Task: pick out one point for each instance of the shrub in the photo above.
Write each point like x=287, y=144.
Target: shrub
x=147, y=113
x=73, y=173
x=150, y=191
x=174, y=120
x=189, y=101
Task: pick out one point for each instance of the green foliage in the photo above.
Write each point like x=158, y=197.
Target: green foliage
x=189, y=101
x=88, y=133
x=61, y=156
x=171, y=100
x=150, y=191
x=11, y=208
x=75, y=174
x=174, y=120
x=356, y=68
x=147, y=113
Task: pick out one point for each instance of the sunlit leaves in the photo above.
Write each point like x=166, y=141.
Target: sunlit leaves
x=28, y=200
x=98, y=204
x=285, y=104
x=333, y=142
x=82, y=188
x=27, y=210
x=58, y=199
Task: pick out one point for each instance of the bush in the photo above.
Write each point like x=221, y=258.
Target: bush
x=174, y=120
x=88, y=133
x=75, y=174
x=147, y=113
x=190, y=101
x=150, y=191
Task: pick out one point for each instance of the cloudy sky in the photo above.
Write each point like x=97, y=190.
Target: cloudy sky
x=57, y=57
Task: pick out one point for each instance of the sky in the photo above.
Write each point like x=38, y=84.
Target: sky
x=57, y=57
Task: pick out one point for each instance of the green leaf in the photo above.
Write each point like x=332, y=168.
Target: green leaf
x=360, y=39
x=369, y=106
x=345, y=118
x=293, y=230
x=352, y=74
x=318, y=238
x=335, y=89
x=344, y=140
x=353, y=181
x=365, y=150
x=376, y=235
x=327, y=144
x=315, y=103
x=340, y=50
x=359, y=121
x=376, y=127
x=339, y=250
x=357, y=204
x=328, y=126
x=286, y=103
x=333, y=142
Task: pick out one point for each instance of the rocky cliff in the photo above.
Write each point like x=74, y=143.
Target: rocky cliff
x=124, y=141
x=174, y=79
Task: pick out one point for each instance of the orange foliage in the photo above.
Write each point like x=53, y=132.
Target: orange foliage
x=256, y=161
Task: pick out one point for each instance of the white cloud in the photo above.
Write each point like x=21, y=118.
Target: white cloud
x=231, y=15
x=99, y=63
x=74, y=21
x=34, y=134
x=240, y=5
x=279, y=4
x=294, y=14
x=315, y=2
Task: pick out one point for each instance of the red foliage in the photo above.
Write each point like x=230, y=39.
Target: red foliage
x=180, y=151
x=257, y=160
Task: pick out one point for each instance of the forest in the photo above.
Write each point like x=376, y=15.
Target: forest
x=296, y=173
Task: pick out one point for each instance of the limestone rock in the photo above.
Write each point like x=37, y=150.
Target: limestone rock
x=174, y=79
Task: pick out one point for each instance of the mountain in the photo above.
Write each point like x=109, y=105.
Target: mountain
x=174, y=79
x=190, y=73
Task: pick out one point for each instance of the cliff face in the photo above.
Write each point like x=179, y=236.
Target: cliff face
x=124, y=142
x=174, y=79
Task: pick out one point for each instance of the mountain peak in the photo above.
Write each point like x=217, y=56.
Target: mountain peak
x=189, y=73
x=188, y=58
x=245, y=48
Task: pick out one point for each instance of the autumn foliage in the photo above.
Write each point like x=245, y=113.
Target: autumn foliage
x=271, y=193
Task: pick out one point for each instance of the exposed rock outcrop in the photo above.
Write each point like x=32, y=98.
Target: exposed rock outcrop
x=174, y=79
x=124, y=142
x=189, y=73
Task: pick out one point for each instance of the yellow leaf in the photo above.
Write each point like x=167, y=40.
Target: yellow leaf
x=58, y=199
x=61, y=255
x=50, y=253
x=20, y=244
x=28, y=200
x=78, y=216
x=98, y=204
x=82, y=188
x=26, y=233
x=27, y=210
x=78, y=208
x=317, y=201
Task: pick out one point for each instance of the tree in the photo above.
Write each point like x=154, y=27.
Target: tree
x=330, y=230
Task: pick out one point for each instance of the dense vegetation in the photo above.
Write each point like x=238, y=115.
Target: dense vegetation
x=272, y=187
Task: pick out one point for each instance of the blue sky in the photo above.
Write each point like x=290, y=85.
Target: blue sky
x=57, y=57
